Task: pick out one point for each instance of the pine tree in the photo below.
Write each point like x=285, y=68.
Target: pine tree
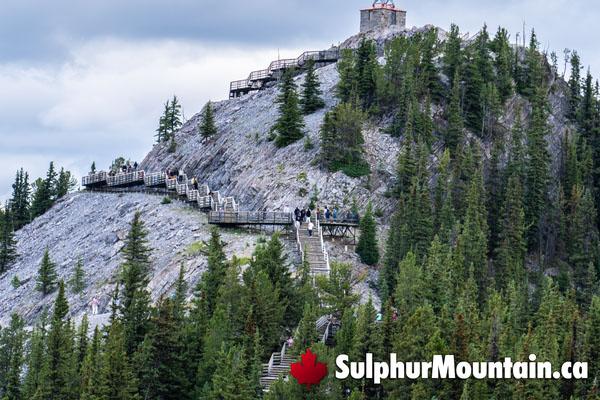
x=310, y=100
x=474, y=236
x=20, y=201
x=342, y=141
x=36, y=373
x=116, y=378
x=512, y=246
x=134, y=280
x=306, y=335
x=65, y=183
x=46, y=274
x=45, y=192
x=290, y=122
x=14, y=340
x=406, y=167
x=336, y=291
x=346, y=89
x=533, y=77
x=178, y=301
x=537, y=167
x=93, y=167
x=453, y=56
x=502, y=49
x=162, y=132
x=213, y=278
x=59, y=384
x=8, y=243
x=160, y=364
x=366, y=67
x=574, y=87
x=367, y=247
x=208, y=127
x=454, y=135
x=77, y=282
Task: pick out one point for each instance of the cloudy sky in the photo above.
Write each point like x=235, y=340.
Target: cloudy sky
x=84, y=81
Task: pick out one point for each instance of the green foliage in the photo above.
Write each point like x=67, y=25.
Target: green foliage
x=208, y=127
x=77, y=282
x=368, y=248
x=46, y=274
x=342, y=141
x=311, y=100
x=290, y=122
x=134, y=280
x=15, y=282
x=44, y=194
x=20, y=200
x=8, y=243
x=166, y=200
x=169, y=123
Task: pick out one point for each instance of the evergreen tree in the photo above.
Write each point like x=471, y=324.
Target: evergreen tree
x=46, y=274
x=93, y=168
x=346, y=89
x=14, y=341
x=213, y=278
x=574, y=87
x=336, y=291
x=21, y=197
x=8, y=243
x=311, y=100
x=59, y=361
x=44, y=195
x=178, y=301
x=367, y=247
x=134, y=280
x=536, y=168
x=290, y=122
x=366, y=67
x=454, y=135
x=503, y=50
x=77, y=282
x=162, y=132
x=160, y=367
x=453, y=56
x=65, y=183
x=208, y=127
x=342, y=141
x=116, y=378
x=306, y=335
x=36, y=373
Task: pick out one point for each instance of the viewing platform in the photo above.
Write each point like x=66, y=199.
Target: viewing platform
x=258, y=79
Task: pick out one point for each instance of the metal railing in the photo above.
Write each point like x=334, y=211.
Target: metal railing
x=125, y=179
x=92, y=179
x=249, y=217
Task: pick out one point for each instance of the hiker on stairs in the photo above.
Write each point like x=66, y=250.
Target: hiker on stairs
x=310, y=228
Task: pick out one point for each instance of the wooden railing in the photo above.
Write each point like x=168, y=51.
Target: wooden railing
x=249, y=217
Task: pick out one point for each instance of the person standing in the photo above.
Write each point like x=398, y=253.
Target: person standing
x=95, y=304
x=286, y=209
x=308, y=214
x=310, y=228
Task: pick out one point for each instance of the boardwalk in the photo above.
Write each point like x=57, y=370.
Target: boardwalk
x=258, y=79
x=249, y=218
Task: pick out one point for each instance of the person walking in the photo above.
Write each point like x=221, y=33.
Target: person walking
x=310, y=228
x=303, y=215
x=95, y=304
x=308, y=214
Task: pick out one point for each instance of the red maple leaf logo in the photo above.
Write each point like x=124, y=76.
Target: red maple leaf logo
x=310, y=371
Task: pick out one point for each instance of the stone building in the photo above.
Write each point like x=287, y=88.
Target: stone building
x=382, y=14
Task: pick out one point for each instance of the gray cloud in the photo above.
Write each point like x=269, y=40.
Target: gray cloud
x=83, y=81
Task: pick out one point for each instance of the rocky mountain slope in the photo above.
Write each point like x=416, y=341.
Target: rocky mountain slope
x=239, y=161
x=94, y=225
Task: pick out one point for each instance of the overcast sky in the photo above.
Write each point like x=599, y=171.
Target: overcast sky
x=84, y=81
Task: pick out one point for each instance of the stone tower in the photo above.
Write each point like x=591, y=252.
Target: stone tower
x=382, y=14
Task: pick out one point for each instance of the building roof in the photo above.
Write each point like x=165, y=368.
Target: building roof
x=383, y=7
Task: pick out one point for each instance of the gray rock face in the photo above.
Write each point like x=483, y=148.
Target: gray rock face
x=94, y=226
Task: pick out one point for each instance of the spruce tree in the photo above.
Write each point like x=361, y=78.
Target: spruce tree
x=15, y=346
x=77, y=282
x=537, y=167
x=65, y=183
x=8, y=243
x=45, y=192
x=116, y=378
x=20, y=201
x=178, y=301
x=574, y=87
x=290, y=122
x=59, y=384
x=208, y=127
x=214, y=276
x=366, y=67
x=453, y=55
x=134, y=280
x=454, y=135
x=46, y=274
x=306, y=335
x=310, y=100
x=346, y=89
x=503, y=50
x=367, y=247
x=162, y=132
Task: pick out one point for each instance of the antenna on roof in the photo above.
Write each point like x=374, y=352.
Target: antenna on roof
x=389, y=3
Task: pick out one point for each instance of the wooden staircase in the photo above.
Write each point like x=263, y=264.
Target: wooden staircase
x=280, y=362
x=312, y=248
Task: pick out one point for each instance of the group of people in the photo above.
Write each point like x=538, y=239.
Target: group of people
x=124, y=169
